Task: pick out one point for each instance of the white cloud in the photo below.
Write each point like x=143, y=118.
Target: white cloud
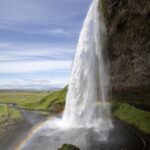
x=4, y=45
x=27, y=11
x=32, y=11
x=34, y=66
x=38, y=18
x=25, y=51
x=37, y=84
x=20, y=61
x=58, y=31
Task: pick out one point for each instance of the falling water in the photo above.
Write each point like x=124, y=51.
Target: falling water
x=88, y=89
x=86, y=120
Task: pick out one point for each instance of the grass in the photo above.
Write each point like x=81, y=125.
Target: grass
x=54, y=101
x=44, y=101
x=131, y=115
x=21, y=98
x=8, y=117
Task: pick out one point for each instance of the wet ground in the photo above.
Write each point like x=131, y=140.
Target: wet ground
x=121, y=137
x=19, y=131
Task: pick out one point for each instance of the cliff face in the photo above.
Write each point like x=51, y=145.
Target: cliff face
x=128, y=30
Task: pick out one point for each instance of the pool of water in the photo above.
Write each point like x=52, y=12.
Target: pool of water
x=120, y=138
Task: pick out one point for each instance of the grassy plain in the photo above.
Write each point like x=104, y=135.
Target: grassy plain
x=44, y=101
x=21, y=98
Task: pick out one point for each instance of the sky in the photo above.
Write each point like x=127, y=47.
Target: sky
x=38, y=40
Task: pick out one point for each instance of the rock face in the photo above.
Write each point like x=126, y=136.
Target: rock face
x=128, y=29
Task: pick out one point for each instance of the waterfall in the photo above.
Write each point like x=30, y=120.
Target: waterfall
x=86, y=102
x=86, y=119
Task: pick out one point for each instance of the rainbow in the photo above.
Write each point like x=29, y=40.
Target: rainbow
x=31, y=132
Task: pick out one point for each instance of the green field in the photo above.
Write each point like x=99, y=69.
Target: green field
x=45, y=101
x=21, y=98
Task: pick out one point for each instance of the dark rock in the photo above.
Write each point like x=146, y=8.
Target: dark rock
x=128, y=30
x=68, y=147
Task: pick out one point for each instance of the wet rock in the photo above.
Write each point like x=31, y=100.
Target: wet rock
x=128, y=30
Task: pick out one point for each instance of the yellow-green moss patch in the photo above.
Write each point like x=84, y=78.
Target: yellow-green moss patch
x=128, y=113
x=8, y=117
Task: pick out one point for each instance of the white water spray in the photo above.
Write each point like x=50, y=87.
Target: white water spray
x=88, y=89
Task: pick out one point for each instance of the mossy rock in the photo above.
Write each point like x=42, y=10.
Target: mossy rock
x=131, y=115
x=68, y=147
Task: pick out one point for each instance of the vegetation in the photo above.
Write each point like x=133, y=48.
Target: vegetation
x=68, y=147
x=21, y=98
x=45, y=101
x=103, y=8
x=129, y=114
x=54, y=101
x=8, y=117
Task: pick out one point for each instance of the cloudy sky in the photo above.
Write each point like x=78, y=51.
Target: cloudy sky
x=38, y=40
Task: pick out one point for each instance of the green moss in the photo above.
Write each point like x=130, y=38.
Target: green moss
x=10, y=113
x=68, y=147
x=128, y=113
x=14, y=114
x=8, y=117
x=4, y=110
x=103, y=8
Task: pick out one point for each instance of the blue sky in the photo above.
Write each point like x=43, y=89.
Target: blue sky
x=38, y=40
